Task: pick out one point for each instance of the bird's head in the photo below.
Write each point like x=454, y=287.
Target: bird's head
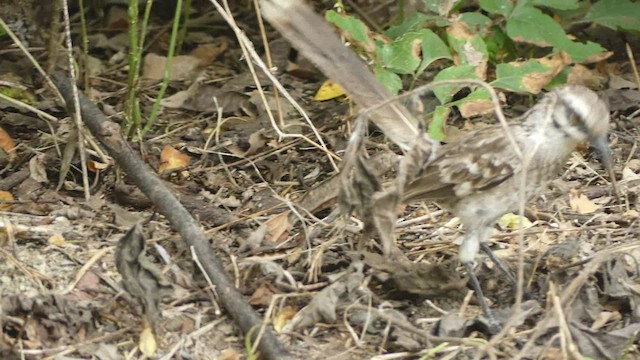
x=579, y=113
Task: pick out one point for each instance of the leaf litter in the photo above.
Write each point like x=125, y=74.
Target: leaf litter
x=334, y=299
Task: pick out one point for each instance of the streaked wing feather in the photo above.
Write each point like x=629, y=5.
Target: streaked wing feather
x=479, y=161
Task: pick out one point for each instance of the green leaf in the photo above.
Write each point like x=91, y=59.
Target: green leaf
x=441, y=7
x=444, y=93
x=436, y=126
x=579, y=52
x=433, y=48
x=615, y=14
x=499, y=45
x=475, y=104
x=530, y=25
x=413, y=22
x=501, y=7
x=560, y=79
x=403, y=55
x=478, y=94
x=477, y=22
x=354, y=27
x=558, y=4
x=514, y=77
x=389, y=80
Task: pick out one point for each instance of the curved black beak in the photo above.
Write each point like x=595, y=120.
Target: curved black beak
x=602, y=145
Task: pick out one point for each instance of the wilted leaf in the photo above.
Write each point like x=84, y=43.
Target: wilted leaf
x=530, y=75
x=581, y=75
x=329, y=90
x=469, y=47
x=171, y=159
x=475, y=104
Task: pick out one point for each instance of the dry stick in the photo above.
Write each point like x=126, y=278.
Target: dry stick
x=110, y=136
x=74, y=99
x=250, y=53
x=632, y=61
x=570, y=293
x=318, y=42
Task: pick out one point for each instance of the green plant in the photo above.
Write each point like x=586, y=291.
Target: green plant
x=515, y=45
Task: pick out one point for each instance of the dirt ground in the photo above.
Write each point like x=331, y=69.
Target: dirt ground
x=64, y=270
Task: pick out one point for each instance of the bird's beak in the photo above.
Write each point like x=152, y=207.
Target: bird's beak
x=602, y=145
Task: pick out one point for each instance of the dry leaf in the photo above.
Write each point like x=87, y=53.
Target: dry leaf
x=283, y=317
x=262, y=295
x=277, y=225
x=329, y=90
x=7, y=144
x=534, y=82
x=182, y=67
x=580, y=203
x=229, y=354
x=37, y=169
x=56, y=240
x=6, y=198
x=475, y=108
x=172, y=159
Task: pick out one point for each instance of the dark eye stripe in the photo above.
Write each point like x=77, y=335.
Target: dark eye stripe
x=575, y=117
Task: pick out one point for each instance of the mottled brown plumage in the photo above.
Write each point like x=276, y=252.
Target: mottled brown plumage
x=478, y=178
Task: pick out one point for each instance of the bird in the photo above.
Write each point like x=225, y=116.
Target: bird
x=478, y=177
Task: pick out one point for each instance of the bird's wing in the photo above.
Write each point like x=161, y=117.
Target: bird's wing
x=479, y=161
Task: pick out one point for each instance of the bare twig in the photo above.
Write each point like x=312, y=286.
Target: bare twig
x=109, y=134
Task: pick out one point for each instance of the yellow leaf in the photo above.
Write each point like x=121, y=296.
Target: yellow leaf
x=56, y=240
x=511, y=221
x=283, y=317
x=147, y=343
x=5, y=200
x=329, y=90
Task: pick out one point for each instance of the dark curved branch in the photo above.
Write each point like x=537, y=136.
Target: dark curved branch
x=110, y=136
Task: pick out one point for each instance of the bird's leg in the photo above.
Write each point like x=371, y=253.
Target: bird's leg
x=474, y=237
x=485, y=247
x=475, y=284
